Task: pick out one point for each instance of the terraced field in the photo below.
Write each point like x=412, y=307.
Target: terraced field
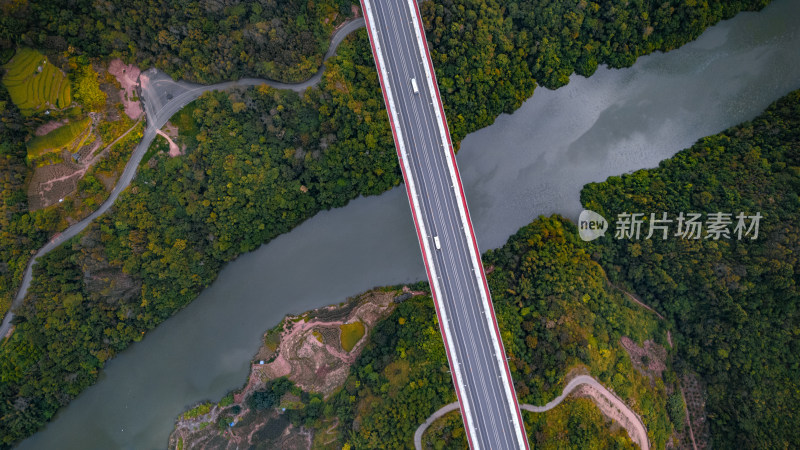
x=35, y=84
x=58, y=138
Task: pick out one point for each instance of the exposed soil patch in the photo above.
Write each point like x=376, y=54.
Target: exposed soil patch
x=171, y=130
x=648, y=360
x=174, y=150
x=52, y=183
x=170, y=133
x=253, y=429
x=128, y=77
x=322, y=366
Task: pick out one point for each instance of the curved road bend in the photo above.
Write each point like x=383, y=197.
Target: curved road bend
x=637, y=432
x=162, y=98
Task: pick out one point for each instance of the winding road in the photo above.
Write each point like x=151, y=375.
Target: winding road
x=162, y=98
x=635, y=428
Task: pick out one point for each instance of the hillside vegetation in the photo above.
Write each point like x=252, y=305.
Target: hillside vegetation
x=36, y=174
x=250, y=176
x=402, y=376
x=557, y=312
x=735, y=303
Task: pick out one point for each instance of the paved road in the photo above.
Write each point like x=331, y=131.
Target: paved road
x=630, y=420
x=474, y=349
x=433, y=417
x=162, y=98
x=636, y=429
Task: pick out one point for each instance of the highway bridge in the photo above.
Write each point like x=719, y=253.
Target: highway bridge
x=475, y=351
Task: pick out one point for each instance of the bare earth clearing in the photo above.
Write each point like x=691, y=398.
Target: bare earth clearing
x=314, y=364
x=128, y=77
x=170, y=132
x=648, y=359
x=49, y=126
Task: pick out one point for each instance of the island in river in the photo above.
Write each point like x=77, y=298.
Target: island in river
x=314, y=352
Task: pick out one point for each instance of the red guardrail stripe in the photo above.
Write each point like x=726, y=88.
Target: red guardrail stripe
x=469, y=222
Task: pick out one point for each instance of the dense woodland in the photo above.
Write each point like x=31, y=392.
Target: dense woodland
x=196, y=40
x=261, y=161
x=21, y=231
x=488, y=54
x=734, y=302
x=556, y=311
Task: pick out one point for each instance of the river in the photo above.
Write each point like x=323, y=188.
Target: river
x=532, y=162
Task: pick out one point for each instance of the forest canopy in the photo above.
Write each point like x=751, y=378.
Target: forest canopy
x=734, y=302
x=196, y=40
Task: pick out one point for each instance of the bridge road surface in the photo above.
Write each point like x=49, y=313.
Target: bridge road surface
x=461, y=295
